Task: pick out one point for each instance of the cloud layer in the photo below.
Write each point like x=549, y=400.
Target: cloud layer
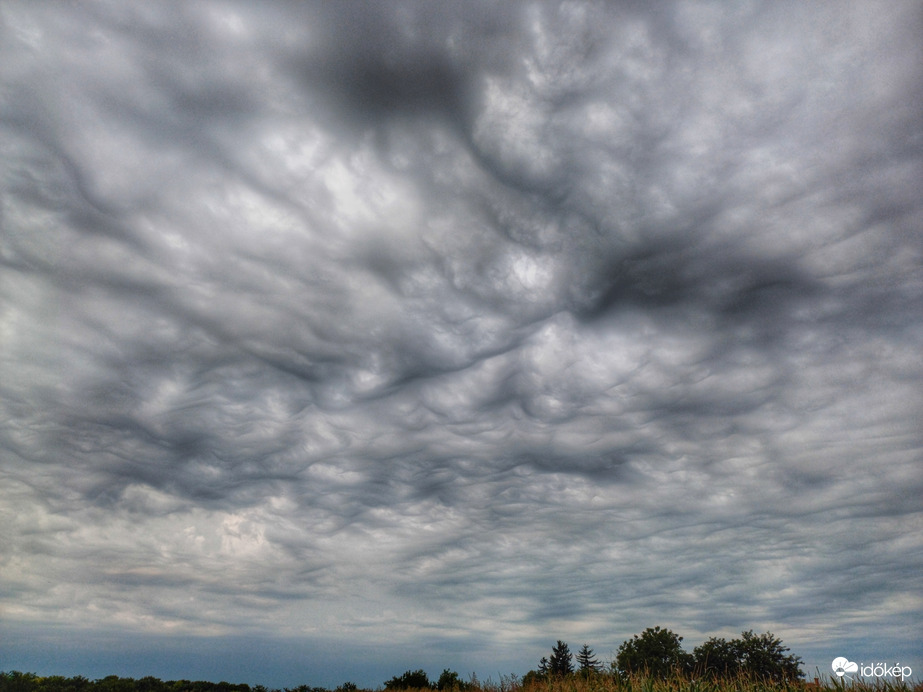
x=463, y=325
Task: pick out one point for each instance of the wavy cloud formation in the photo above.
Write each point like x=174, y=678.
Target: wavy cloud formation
x=459, y=329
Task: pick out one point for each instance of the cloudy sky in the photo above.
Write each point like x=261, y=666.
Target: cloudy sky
x=338, y=339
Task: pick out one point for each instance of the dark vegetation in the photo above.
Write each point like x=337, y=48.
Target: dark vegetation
x=658, y=654
x=653, y=661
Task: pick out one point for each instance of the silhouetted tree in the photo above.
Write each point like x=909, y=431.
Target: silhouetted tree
x=411, y=679
x=716, y=658
x=586, y=660
x=58, y=683
x=16, y=681
x=763, y=657
x=113, y=683
x=656, y=652
x=560, y=662
x=759, y=656
x=28, y=682
x=449, y=680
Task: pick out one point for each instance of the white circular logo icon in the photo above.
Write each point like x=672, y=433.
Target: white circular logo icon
x=841, y=666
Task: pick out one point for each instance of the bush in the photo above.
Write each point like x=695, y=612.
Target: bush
x=412, y=679
x=449, y=681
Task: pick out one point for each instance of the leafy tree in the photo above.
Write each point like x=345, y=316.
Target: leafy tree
x=150, y=684
x=717, y=658
x=58, y=683
x=656, y=652
x=411, y=679
x=587, y=661
x=449, y=680
x=15, y=681
x=764, y=657
x=759, y=656
x=113, y=683
x=560, y=662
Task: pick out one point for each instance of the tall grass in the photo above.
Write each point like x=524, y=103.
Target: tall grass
x=643, y=683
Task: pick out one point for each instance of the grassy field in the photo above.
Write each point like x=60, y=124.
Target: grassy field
x=15, y=681
x=607, y=683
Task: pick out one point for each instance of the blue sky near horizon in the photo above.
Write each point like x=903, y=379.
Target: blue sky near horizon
x=344, y=338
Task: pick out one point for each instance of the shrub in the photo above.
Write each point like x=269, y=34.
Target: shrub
x=411, y=679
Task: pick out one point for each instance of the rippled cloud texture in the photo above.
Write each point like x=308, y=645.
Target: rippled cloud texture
x=430, y=333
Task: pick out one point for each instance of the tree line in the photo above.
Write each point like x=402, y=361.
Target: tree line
x=15, y=681
x=656, y=652
x=659, y=653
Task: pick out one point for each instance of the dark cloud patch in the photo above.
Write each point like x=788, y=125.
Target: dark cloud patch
x=378, y=63
x=673, y=273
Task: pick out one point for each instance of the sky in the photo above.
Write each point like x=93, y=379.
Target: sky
x=339, y=339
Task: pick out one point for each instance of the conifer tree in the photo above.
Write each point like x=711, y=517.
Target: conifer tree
x=560, y=662
x=586, y=660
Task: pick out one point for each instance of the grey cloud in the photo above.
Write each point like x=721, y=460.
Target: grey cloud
x=462, y=324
